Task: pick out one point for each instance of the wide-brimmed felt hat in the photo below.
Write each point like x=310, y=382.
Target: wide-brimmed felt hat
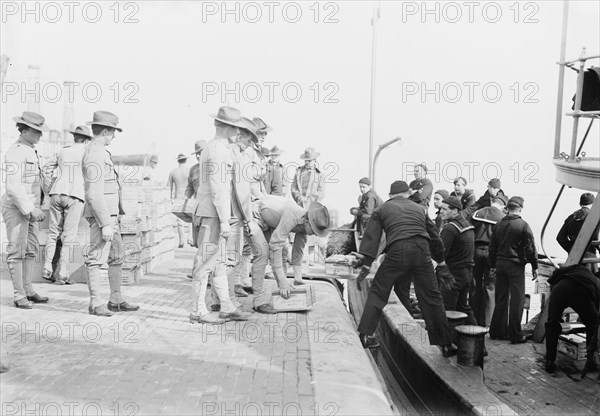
x=265, y=151
x=309, y=154
x=82, y=131
x=229, y=115
x=261, y=125
x=318, y=218
x=154, y=158
x=181, y=156
x=105, y=118
x=33, y=120
x=199, y=146
x=251, y=127
x=276, y=150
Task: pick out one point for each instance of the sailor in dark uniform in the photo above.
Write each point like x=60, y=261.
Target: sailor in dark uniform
x=411, y=241
x=568, y=233
x=576, y=287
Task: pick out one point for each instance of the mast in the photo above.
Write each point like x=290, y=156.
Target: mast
x=374, y=20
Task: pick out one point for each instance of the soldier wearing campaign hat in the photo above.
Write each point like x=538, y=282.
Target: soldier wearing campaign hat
x=66, y=203
x=102, y=208
x=411, y=242
x=512, y=246
x=21, y=207
x=275, y=183
x=177, y=182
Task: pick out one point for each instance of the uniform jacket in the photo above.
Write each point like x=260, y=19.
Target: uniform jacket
x=22, y=177
x=283, y=216
x=513, y=240
x=243, y=183
x=193, y=181
x=568, y=232
x=467, y=199
x=69, y=174
x=459, y=243
x=216, y=171
x=314, y=188
x=254, y=170
x=101, y=184
x=274, y=179
x=400, y=218
x=484, y=201
x=484, y=221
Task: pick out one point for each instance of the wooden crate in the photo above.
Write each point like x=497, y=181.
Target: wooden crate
x=183, y=209
x=301, y=299
x=573, y=345
x=337, y=265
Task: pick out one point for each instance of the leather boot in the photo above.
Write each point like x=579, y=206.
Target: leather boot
x=115, y=276
x=28, y=263
x=298, y=275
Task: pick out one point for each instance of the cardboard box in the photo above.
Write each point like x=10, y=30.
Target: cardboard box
x=573, y=345
x=301, y=299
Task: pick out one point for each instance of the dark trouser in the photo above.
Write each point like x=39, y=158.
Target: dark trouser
x=510, y=299
x=567, y=293
x=402, y=290
x=483, y=287
x=405, y=259
x=457, y=298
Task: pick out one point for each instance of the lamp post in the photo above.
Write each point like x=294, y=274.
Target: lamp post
x=381, y=147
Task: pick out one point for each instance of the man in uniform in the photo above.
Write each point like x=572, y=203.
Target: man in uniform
x=191, y=191
x=66, y=203
x=438, y=197
x=279, y=217
x=21, y=207
x=511, y=247
x=274, y=179
x=102, y=208
x=411, y=242
x=459, y=241
x=483, y=288
x=493, y=189
x=367, y=202
x=308, y=184
x=568, y=232
x=466, y=196
x=214, y=213
x=426, y=190
x=177, y=182
x=576, y=287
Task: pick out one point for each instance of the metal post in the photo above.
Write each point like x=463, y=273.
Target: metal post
x=578, y=97
x=561, y=80
x=381, y=147
x=373, y=73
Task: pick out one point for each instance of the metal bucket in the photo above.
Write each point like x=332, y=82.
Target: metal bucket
x=470, y=343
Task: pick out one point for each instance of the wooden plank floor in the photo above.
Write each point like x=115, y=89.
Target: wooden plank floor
x=515, y=373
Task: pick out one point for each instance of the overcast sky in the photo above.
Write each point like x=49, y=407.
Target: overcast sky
x=469, y=86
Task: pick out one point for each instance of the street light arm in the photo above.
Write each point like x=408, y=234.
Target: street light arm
x=381, y=147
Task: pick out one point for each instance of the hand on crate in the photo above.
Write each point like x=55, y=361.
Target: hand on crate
x=286, y=289
x=364, y=272
x=356, y=260
x=535, y=274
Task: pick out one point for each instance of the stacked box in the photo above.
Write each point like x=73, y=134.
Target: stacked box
x=573, y=345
